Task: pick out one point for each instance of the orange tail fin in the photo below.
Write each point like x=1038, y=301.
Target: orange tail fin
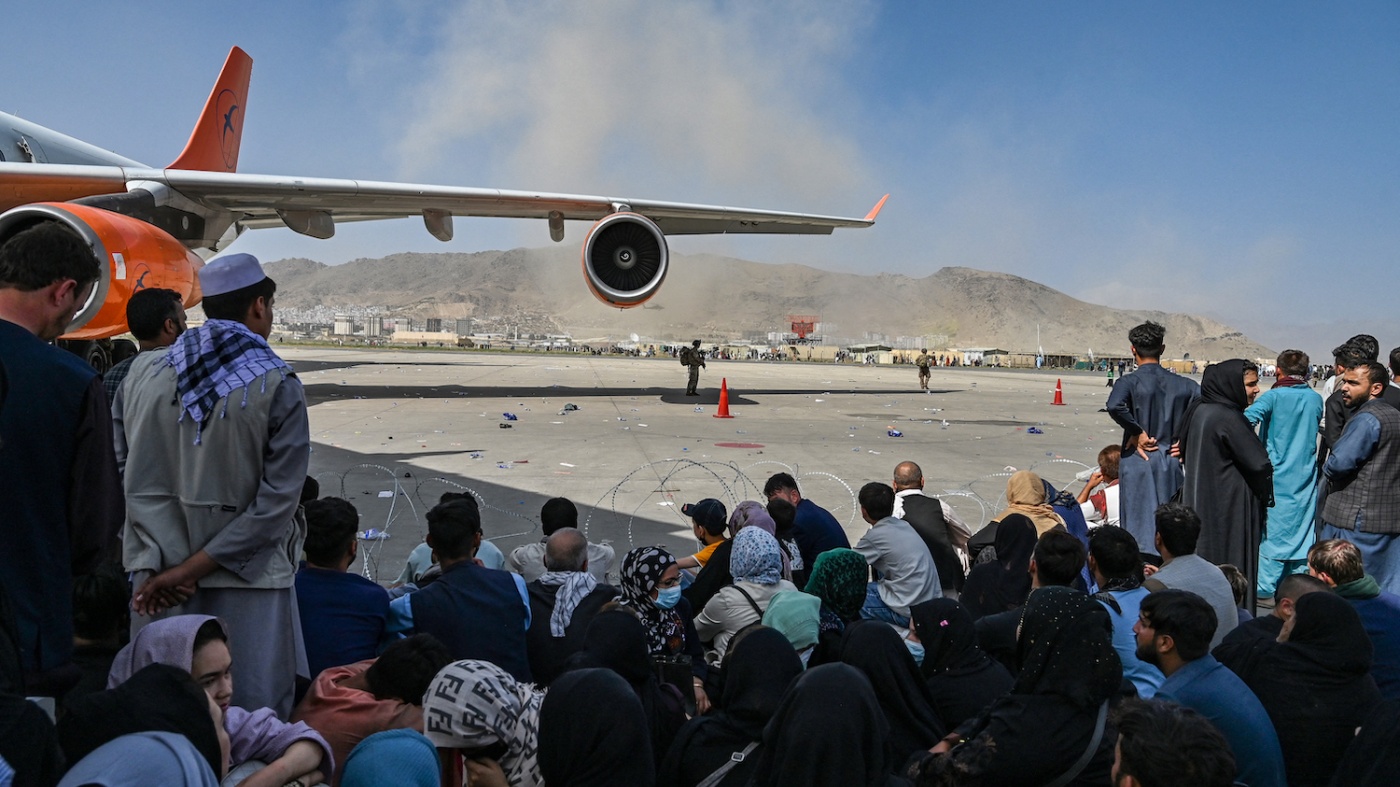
x=213, y=145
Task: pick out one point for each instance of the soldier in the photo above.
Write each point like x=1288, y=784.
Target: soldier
x=692, y=359
x=923, y=362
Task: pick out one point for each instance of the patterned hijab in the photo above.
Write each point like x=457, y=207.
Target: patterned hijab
x=1066, y=648
x=756, y=557
x=474, y=704
x=641, y=572
x=839, y=578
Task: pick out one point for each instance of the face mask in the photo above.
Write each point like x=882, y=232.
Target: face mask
x=916, y=649
x=666, y=598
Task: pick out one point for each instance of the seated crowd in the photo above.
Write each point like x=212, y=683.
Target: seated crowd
x=1066, y=659
x=177, y=605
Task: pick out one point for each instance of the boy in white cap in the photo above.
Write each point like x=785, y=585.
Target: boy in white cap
x=213, y=440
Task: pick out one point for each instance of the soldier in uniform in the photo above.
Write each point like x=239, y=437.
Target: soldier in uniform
x=693, y=360
x=923, y=362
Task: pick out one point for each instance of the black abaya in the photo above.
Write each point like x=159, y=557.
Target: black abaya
x=593, y=732
x=757, y=672
x=1316, y=687
x=962, y=679
x=874, y=648
x=829, y=731
x=1229, y=479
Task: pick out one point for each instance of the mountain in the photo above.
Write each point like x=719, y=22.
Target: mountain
x=712, y=297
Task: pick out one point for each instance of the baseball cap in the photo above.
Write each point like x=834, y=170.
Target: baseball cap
x=709, y=514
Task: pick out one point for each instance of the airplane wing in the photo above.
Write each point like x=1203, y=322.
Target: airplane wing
x=313, y=205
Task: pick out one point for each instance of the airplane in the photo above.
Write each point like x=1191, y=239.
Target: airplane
x=153, y=227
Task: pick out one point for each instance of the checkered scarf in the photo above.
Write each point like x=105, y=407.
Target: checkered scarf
x=573, y=587
x=214, y=360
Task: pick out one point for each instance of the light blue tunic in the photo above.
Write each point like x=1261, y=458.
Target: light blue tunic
x=1288, y=421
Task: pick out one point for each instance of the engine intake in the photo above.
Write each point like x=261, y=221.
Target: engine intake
x=625, y=259
x=131, y=255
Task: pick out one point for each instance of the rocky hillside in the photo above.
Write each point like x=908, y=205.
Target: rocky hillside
x=719, y=297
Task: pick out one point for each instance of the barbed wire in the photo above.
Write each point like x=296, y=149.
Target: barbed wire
x=406, y=505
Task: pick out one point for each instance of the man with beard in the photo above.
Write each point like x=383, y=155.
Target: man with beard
x=1363, y=476
x=1173, y=631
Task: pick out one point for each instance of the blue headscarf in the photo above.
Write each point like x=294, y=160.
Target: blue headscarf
x=392, y=757
x=756, y=557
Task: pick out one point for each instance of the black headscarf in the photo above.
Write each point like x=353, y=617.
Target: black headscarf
x=593, y=733
x=829, y=731
x=157, y=698
x=758, y=667
x=757, y=671
x=949, y=637
x=617, y=641
x=1222, y=383
x=1317, y=686
x=1003, y=585
x=961, y=677
x=1327, y=641
x=1066, y=648
x=874, y=648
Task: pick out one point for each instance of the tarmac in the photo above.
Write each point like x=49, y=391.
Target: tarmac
x=394, y=429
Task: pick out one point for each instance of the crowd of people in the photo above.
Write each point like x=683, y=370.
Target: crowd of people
x=1216, y=606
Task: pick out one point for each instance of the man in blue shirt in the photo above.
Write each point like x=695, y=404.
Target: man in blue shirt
x=1173, y=631
x=477, y=612
x=1363, y=476
x=1116, y=564
x=342, y=614
x=815, y=529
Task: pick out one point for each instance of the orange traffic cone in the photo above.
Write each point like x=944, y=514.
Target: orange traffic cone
x=723, y=399
x=1059, y=393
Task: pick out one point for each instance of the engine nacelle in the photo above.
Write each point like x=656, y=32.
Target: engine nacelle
x=625, y=259
x=131, y=255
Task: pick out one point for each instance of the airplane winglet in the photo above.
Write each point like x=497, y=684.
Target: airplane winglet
x=213, y=145
x=875, y=211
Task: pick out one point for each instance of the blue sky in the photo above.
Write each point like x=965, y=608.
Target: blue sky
x=1233, y=159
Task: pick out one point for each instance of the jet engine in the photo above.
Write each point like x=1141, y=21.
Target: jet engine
x=625, y=259
x=131, y=255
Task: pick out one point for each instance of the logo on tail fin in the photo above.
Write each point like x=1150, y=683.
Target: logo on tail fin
x=231, y=113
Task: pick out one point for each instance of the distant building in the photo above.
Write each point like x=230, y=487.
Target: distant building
x=374, y=326
x=464, y=327
x=344, y=326
x=434, y=325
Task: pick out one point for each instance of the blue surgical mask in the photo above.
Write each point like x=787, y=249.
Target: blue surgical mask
x=916, y=649
x=666, y=598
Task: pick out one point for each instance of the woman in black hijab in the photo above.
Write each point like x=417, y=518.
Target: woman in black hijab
x=829, y=731
x=1002, y=584
x=757, y=671
x=1316, y=684
x=616, y=640
x=593, y=733
x=1229, y=479
x=874, y=648
x=158, y=698
x=1053, y=723
x=962, y=679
